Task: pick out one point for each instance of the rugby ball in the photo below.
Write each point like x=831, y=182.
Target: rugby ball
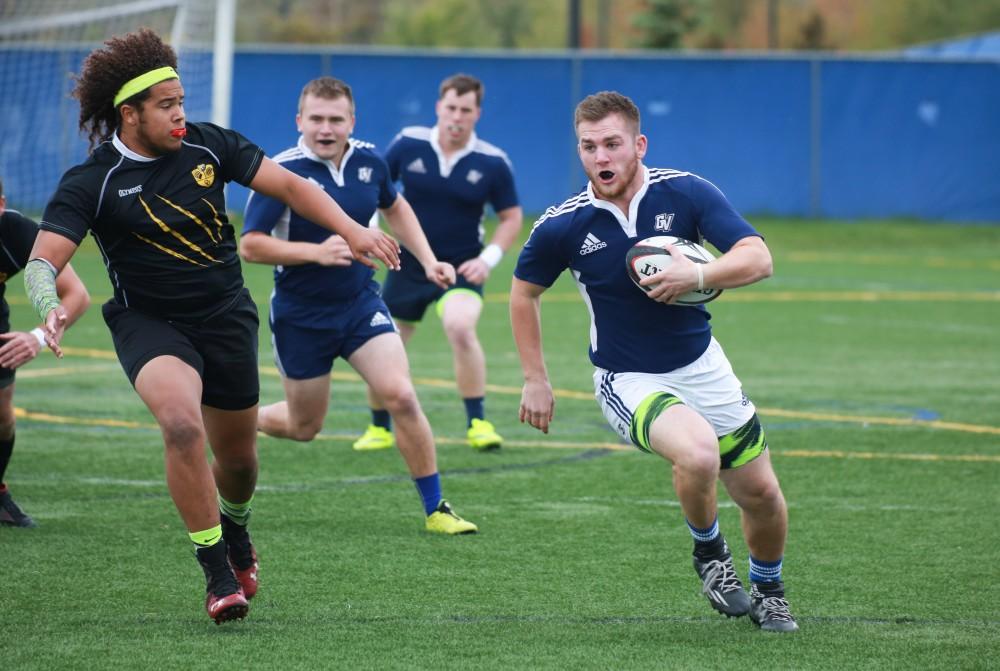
x=650, y=256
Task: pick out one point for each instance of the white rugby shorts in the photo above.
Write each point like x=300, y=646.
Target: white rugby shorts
x=707, y=385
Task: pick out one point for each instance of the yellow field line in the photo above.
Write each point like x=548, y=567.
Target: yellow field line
x=751, y=296
x=883, y=260
x=350, y=376
x=47, y=418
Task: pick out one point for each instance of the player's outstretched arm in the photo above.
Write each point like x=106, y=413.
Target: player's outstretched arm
x=511, y=221
x=403, y=222
x=259, y=247
x=537, y=400
x=49, y=258
x=310, y=201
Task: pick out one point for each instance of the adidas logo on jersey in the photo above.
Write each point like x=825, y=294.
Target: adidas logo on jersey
x=591, y=244
x=417, y=166
x=379, y=320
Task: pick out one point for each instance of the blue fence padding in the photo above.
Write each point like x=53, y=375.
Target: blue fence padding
x=526, y=99
x=911, y=140
x=742, y=124
x=813, y=136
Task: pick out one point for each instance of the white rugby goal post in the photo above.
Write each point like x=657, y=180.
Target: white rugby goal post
x=43, y=42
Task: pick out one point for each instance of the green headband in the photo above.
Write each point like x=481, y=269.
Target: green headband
x=143, y=82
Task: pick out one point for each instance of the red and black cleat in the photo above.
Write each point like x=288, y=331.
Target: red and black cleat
x=242, y=555
x=224, y=598
x=226, y=608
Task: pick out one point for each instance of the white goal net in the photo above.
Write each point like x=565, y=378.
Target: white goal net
x=43, y=43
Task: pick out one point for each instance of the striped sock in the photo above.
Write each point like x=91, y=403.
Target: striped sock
x=704, y=535
x=237, y=512
x=764, y=571
x=206, y=538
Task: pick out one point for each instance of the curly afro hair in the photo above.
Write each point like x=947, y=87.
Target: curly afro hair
x=107, y=69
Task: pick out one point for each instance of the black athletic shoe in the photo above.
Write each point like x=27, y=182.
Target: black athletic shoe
x=224, y=598
x=720, y=584
x=11, y=514
x=768, y=608
x=242, y=555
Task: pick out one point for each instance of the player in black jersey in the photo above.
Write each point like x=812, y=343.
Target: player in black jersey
x=17, y=235
x=183, y=325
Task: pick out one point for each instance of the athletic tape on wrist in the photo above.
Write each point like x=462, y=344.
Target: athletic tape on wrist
x=491, y=255
x=39, y=335
x=701, y=276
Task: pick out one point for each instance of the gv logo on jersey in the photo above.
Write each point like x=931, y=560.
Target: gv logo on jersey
x=365, y=175
x=204, y=174
x=663, y=221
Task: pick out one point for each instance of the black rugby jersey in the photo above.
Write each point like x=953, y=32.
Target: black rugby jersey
x=161, y=223
x=17, y=237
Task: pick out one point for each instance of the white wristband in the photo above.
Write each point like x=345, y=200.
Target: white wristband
x=701, y=276
x=491, y=255
x=39, y=336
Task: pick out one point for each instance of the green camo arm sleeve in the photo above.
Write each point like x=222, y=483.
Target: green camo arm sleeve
x=40, y=285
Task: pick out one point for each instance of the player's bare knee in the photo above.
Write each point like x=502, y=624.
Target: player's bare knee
x=401, y=401
x=461, y=336
x=700, y=460
x=304, y=431
x=182, y=432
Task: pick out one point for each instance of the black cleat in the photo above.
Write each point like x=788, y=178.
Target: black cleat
x=11, y=514
x=224, y=598
x=768, y=608
x=720, y=584
x=242, y=555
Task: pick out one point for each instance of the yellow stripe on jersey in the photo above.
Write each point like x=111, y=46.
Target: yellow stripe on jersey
x=190, y=215
x=166, y=229
x=167, y=250
x=215, y=216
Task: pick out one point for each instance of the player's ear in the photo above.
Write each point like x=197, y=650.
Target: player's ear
x=641, y=144
x=129, y=114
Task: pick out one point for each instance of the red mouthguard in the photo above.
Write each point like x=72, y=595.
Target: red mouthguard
x=178, y=132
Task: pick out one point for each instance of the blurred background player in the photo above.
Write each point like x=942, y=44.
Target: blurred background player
x=326, y=305
x=448, y=176
x=183, y=325
x=661, y=379
x=17, y=235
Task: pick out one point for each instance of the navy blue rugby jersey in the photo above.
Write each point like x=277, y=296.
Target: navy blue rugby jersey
x=360, y=186
x=629, y=332
x=17, y=237
x=450, y=197
x=161, y=223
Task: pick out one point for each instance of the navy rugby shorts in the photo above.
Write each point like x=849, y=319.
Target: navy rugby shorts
x=407, y=294
x=307, y=337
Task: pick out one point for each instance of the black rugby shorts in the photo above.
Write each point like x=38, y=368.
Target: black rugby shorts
x=223, y=349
